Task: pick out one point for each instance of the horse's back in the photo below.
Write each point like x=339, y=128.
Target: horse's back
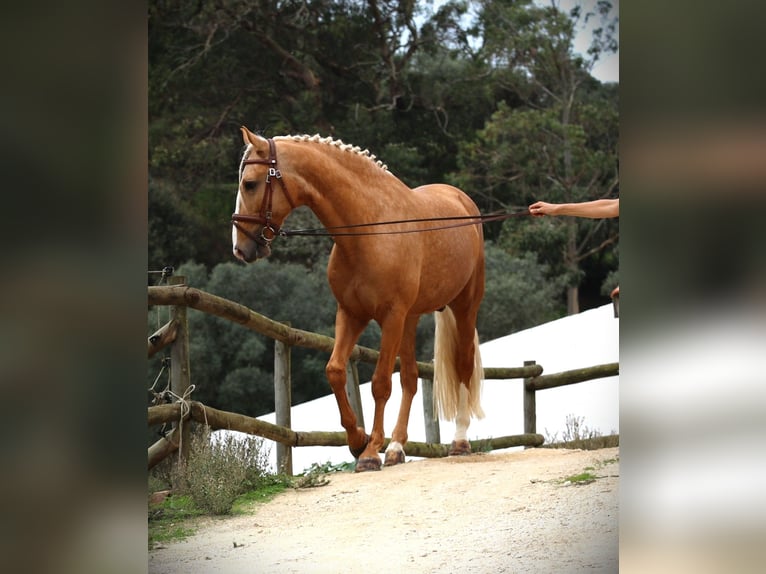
x=456, y=237
x=448, y=197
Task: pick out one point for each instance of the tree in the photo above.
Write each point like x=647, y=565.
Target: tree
x=350, y=69
x=560, y=145
x=416, y=85
x=518, y=294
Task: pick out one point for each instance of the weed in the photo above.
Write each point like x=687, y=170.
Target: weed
x=482, y=445
x=582, y=478
x=578, y=435
x=588, y=475
x=314, y=475
x=328, y=467
x=217, y=471
x=169, y=519
x=173, y=519
x=270, y=486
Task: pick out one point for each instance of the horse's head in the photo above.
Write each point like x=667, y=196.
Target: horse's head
x=263, y=201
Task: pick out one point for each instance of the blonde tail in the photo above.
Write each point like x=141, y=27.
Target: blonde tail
x=446, y=380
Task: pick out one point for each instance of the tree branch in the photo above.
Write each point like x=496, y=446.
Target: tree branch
x=598, y=248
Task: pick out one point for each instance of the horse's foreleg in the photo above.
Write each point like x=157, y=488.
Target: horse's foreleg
x=409, y=378
x=347, y=332
x=390, y=339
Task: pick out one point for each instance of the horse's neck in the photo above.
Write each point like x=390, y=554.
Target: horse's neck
x=350, y=192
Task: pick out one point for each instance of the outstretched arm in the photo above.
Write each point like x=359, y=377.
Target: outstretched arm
x=598, y=209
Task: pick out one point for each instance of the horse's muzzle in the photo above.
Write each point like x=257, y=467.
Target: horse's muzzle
x=249, y=251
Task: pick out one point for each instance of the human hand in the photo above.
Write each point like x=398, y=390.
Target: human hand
x=540, y=208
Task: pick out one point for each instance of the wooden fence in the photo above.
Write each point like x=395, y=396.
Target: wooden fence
x=175, y=333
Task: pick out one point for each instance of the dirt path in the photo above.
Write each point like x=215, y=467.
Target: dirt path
x=486, y=513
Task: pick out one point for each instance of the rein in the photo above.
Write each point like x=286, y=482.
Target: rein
x=463, y=219
x=270, y=231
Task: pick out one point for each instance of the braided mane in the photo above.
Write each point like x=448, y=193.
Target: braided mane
x=337, y=143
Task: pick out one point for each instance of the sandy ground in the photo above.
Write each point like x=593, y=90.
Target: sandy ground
x=484, y=513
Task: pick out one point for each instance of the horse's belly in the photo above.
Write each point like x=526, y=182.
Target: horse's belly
x=423, y=277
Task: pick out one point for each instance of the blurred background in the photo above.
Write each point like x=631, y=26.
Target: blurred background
x=86, y=153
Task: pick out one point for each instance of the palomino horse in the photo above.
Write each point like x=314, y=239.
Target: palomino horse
x=393, y=272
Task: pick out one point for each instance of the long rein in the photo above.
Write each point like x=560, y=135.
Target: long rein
x=264, y=216
x=463, y=220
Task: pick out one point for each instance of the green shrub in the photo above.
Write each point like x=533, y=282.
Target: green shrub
x=217, y=471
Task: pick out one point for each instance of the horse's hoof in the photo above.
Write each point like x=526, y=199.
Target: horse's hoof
x=394, y=457
x=368, y=463
x=357, y=452
x=460, y=448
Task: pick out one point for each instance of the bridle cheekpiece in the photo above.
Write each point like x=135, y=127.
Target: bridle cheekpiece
x=269, y=230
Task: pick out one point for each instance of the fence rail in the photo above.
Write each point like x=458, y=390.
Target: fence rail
x=183, y=295
x=175, y=333
x=218, y=419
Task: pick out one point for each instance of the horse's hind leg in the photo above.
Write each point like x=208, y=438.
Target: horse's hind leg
x=347, y=332
x=460, y=444
x=408, y=374
x=469, y=373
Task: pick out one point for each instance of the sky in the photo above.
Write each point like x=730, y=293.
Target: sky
x=608, y=68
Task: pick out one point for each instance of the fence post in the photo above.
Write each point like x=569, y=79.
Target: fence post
x=430, y=419
x=352, y=391
x=283, y=401
x=530, y=412
x=180, y=378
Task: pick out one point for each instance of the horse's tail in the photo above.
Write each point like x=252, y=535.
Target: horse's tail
x=446, y=379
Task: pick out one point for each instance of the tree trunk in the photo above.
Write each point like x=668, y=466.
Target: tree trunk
x=573, y=303
x=570, y=258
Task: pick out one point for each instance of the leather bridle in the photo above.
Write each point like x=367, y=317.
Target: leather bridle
x=269, y=230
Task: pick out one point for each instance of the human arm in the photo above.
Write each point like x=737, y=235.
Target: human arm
x=598, y=209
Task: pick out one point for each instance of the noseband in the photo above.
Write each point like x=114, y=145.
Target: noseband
x=269, y=230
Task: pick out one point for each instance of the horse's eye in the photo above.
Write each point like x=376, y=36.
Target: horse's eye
x=249, y=185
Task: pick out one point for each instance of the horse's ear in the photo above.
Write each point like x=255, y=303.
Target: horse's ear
x=260, y=145
x=248, y=137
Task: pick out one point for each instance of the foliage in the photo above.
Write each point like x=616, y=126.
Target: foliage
x=585, y=477
x=558, y=142
x=232, y=367
x=328, y=468
x=518, y=294
x=577, y=435
x=406, y=81
x=217, y=471
x=169, y=520
x=487, y=95
x=172, y=519
x=316, y=474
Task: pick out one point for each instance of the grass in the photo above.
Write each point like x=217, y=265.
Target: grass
x=222, y=476
x=582, y=478
x=267, y=491
x=171, y=520
x=588, y=475
x=178, y=517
